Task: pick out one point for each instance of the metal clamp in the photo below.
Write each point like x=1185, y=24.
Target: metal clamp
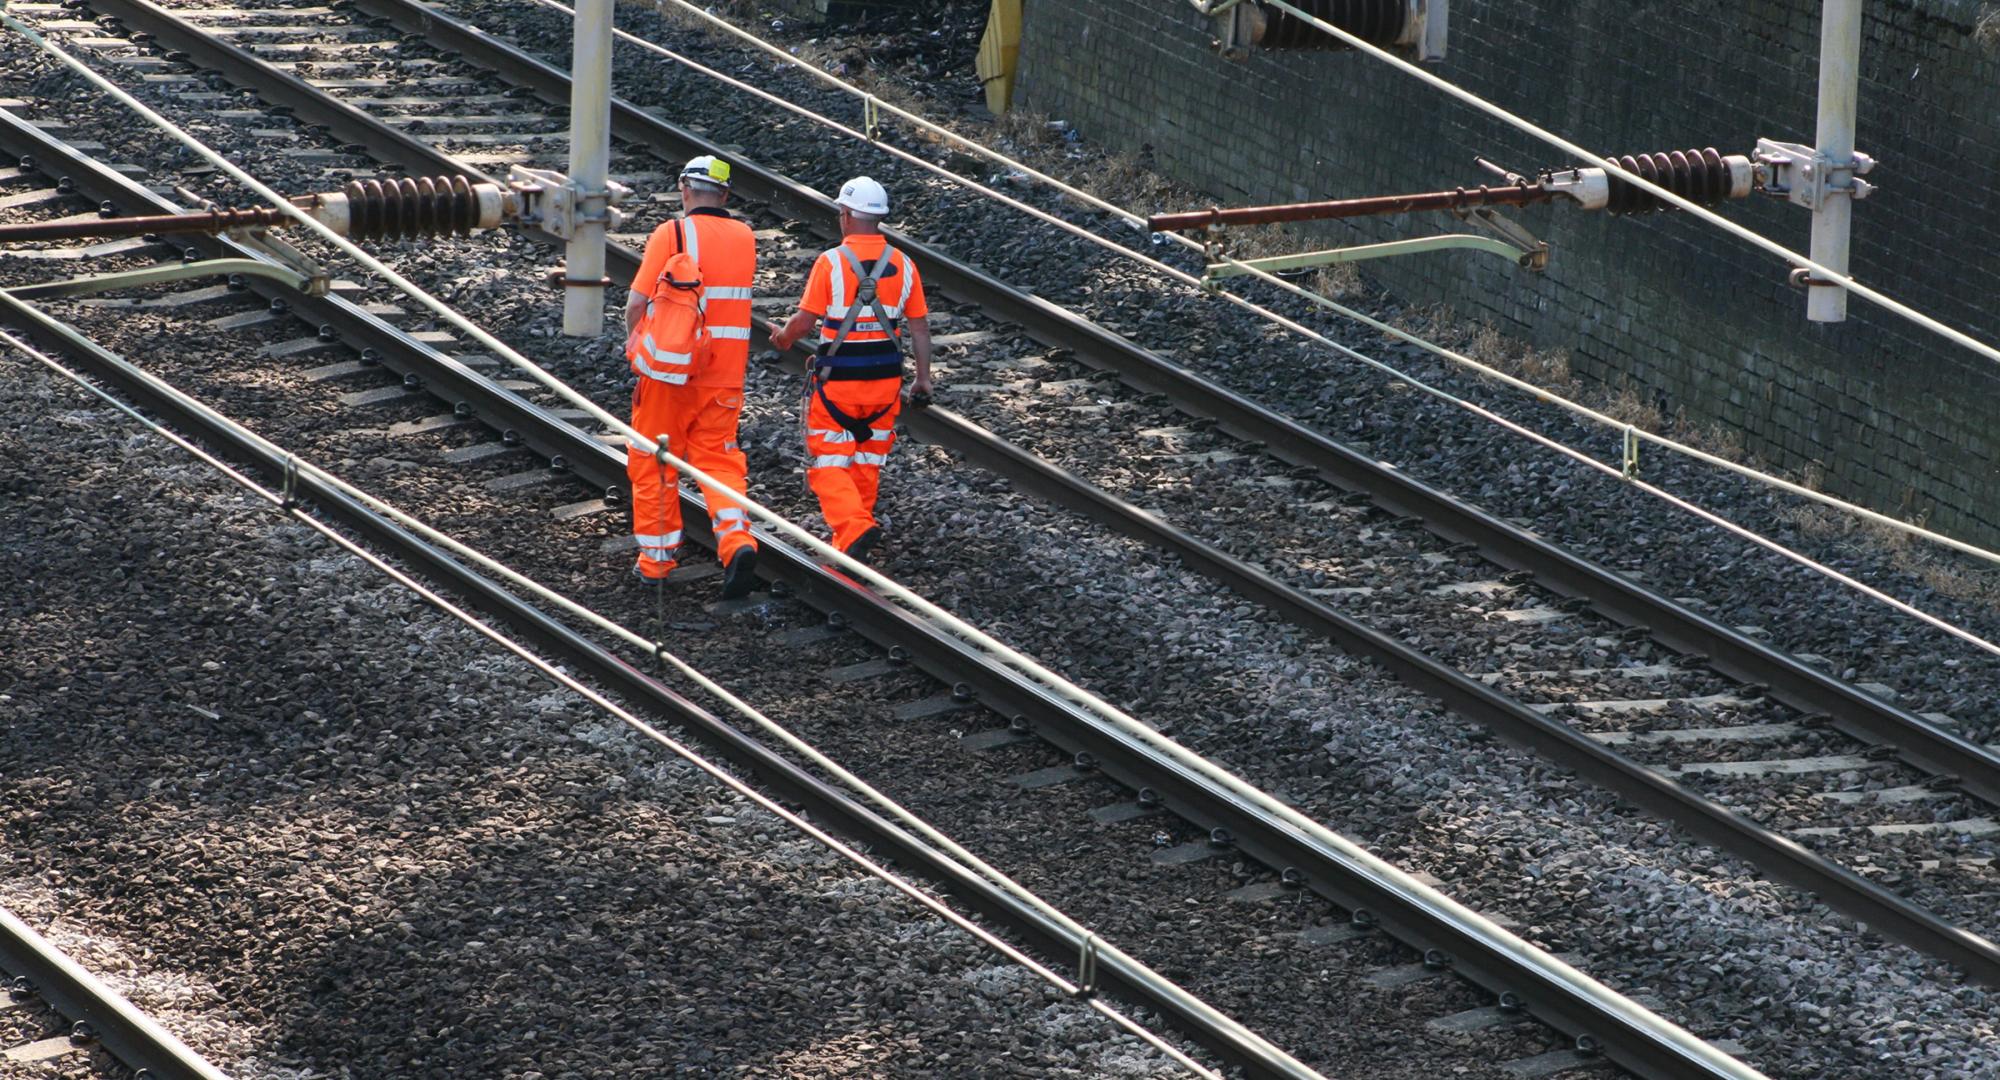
x=1086, y=967
x=1534, y=251
x=1806, y=177
x=1631, y=470
x=871, y=117
x=547, y=200
x=289, y=491
x=287, y=256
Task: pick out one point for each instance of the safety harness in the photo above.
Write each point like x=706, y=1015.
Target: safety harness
x=827, y=365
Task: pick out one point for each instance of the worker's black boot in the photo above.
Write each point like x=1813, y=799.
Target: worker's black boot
x=740, y=576
x=865, y=543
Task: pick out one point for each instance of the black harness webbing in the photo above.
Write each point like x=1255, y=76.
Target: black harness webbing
x=865, y=292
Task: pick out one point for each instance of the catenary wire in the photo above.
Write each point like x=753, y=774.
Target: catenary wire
x=556, y=674
x=1845, y=281
x=1441, y=394
x=1393, y=878
x=1539, y=393
x=757, y=717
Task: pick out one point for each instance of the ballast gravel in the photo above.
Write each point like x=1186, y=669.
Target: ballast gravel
x=321, y=830
x=1733, y=957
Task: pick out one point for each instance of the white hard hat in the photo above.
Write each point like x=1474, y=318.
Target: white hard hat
x=707, y=169
x=864, y=196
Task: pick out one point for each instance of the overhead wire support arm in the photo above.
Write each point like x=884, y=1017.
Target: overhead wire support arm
x=1820, y=272
x=1372, y=206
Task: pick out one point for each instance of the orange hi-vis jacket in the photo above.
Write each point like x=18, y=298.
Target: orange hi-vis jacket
x=727, y=253
x=870, y=349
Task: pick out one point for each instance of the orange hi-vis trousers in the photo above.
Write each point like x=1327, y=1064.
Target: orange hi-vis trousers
x=698, y=425
x=843, y=471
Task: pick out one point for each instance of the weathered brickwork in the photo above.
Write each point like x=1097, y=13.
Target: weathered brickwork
x=1675, y=309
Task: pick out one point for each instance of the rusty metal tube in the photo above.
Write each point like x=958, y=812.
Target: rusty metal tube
x=203, y=221
x=1457, y=199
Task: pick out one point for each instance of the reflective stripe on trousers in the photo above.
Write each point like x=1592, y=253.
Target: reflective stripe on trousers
x=698, y=425
x=842, y=435
x=844, y=474
x=728, y=520
x=658, y=546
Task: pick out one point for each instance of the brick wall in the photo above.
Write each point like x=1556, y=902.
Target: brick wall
x=1689, y=317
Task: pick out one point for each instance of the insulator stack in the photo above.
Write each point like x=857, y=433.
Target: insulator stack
x=407, y=208
x=1700, y=176
x=1378, y=22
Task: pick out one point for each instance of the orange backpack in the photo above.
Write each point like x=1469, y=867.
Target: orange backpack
x=676, y=334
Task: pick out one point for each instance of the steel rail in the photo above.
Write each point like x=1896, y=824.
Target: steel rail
x=1733, y=654
x=1116, y=974
x=1743, y=658
x=1123, y=977
x=1344, y=874
x=1628, y=1034
x=131, y=1036
x=1849, y=709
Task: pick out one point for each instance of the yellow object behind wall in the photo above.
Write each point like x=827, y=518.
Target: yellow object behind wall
x=998, y=51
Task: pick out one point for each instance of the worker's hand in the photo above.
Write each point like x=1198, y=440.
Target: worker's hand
x=779, y=341
x=920, y=393
x=632, y=341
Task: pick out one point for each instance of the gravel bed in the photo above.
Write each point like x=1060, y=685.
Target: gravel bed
x=319, y=829
x=1736, y=957
x=1053, y=258
x=1440, y=444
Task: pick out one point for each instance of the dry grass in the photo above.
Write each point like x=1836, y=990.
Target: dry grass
x=1986, y=31
x=1627, y=407
x=1942, y=572
x=1341, y=281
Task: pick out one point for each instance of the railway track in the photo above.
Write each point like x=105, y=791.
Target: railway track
x=55, y=1015
x=1005, y=366
x=1691, y=719
x=994, y=689
x=1371, y=906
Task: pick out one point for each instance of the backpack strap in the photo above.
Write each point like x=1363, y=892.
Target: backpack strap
x=688, y=242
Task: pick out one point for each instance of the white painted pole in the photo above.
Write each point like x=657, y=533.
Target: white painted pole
x=1839, y=79
x=589, y=167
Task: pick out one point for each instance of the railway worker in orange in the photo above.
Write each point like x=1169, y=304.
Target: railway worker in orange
x=866, y=296
x=689, y=340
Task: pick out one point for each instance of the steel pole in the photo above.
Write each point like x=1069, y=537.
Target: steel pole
x=1839, y=79
x=589, y=168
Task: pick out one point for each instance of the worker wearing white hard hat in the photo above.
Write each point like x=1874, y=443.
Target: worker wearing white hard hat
x=866, y=297
x=863, y=195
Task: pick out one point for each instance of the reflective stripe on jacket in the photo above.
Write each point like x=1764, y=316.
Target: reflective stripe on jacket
x=867, y=336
